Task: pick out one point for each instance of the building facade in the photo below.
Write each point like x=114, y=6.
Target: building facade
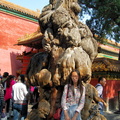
x=107, y=64
x=15, y=22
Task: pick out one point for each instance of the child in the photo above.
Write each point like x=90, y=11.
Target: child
x=3, y=115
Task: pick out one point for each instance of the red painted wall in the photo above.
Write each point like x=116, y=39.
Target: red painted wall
x=111, y=89
x=26, y=61
x=11, y=29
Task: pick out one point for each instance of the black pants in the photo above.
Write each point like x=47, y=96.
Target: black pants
x=7, y=105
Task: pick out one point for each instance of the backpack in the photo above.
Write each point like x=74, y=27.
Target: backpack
x=98, y=86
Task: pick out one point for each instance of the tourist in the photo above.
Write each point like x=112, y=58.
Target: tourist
x=31, y=90
x=8, y=94
x=3, y=81
x=99, y=87
x=1, y=100
x=73, y=97
x=20, y=99
x=36, y=94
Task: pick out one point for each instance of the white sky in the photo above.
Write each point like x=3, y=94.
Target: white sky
x=31, y=4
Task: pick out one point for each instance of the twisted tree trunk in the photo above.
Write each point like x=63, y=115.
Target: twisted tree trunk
x=68, y=45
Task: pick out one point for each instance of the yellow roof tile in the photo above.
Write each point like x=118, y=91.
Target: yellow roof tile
x=105, y=64
x=18, y=8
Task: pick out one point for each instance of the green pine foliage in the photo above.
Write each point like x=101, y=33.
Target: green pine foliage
x=104, y=17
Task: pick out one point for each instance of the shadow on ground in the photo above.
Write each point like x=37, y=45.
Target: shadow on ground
x=111, y=115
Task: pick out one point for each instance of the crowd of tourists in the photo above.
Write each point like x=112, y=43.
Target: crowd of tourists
x=15, y=96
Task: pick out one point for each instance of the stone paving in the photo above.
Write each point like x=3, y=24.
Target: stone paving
x=109, y=115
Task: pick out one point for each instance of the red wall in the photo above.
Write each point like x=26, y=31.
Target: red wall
x=11, y=29
x=111, y=89
x=26, y=61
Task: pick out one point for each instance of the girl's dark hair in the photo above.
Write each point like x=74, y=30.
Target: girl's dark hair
x=100, y=79
x=22, y=78
x=5, y=74
x=8, y=80
x=79, y=84
x=70, y=79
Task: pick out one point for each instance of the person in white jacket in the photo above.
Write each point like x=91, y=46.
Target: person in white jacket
x=20, y=101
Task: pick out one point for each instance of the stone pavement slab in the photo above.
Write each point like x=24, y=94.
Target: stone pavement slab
x=111, y=115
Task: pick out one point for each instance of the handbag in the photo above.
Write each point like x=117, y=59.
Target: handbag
x=57, y=114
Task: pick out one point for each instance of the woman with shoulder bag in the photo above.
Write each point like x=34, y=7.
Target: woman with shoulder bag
x=73, y=97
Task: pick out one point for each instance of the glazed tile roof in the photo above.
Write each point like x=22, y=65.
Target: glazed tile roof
x=105, y=64
x=31, y=40
x=18, y=8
